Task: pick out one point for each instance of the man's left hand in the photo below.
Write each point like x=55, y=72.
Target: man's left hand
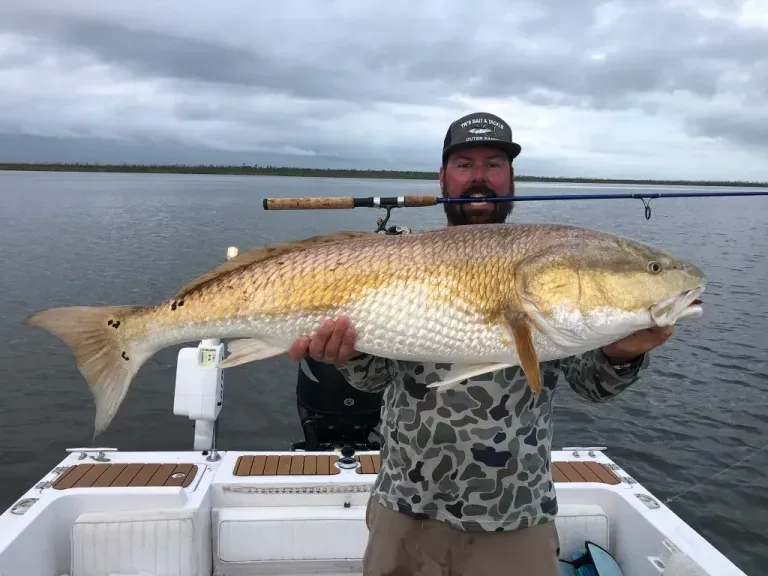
x=634, y=345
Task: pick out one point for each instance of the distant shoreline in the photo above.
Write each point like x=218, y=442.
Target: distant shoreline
x=333, y=173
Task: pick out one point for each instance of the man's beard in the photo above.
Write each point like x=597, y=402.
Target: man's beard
x=457, y=216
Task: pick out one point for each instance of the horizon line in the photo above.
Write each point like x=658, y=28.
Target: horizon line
x=261, y=170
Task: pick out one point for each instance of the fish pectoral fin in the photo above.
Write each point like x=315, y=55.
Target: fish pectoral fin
x=520, y=330
x=459, y=372
x=247, y=350
x=529, y=359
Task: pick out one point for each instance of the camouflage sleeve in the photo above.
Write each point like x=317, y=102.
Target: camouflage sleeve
x=367, y=373
x=592, y=376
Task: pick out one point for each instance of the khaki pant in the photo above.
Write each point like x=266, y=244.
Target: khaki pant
x=399, y=545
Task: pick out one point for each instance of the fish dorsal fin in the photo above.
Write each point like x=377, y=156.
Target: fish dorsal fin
x=269, y=251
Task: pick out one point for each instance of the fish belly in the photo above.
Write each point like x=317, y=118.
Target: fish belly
x=410, y=324
x=403, y=324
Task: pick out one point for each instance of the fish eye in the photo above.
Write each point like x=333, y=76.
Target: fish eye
x=654, y=267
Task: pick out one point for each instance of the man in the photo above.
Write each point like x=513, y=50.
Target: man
x=465, y=485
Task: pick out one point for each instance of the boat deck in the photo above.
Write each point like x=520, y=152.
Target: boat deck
x=158, y=474
x=286, y=465
x=313, y=465
x=125, y=475
x=584, y=471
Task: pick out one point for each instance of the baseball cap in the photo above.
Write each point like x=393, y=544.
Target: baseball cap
x=479, y=129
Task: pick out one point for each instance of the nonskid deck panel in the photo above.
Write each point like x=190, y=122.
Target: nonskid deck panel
x=300, y=465
x=369, y=463
x=318, y=465
x=125, y=475
x=583, y=471
x=286, y=465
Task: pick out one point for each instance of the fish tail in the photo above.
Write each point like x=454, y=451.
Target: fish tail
x=106, y=359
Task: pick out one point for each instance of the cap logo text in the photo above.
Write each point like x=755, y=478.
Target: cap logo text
x=482, y=121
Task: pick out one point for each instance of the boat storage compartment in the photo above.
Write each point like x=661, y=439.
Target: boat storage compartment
x=579, y=522
x=156, y=541
x=331, y=539
x=325, y=539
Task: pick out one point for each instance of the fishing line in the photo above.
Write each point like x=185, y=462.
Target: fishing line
x=748, y=456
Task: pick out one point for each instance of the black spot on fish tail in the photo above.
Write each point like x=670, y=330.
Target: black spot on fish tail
x=125, y=356
x=114, y=323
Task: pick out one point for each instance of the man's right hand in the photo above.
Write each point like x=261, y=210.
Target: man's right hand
x=334, y=343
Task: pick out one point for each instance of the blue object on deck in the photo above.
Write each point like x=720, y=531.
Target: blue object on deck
x=592, y=560
x=567, y=569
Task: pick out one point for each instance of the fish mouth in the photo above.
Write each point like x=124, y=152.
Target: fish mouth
x=683, y=306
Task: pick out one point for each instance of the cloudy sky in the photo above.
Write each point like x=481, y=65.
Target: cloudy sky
x=632, y=88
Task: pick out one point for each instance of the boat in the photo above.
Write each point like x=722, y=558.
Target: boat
x=210, y=512
x=101, y=511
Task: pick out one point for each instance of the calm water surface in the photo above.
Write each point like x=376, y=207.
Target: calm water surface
x=71, y=239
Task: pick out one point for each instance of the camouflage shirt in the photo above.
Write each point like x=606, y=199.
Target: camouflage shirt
x=476, y=455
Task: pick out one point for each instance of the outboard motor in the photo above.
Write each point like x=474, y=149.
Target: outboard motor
x=332, y=412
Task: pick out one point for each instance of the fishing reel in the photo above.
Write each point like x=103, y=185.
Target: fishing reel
x=394, y=229
x=381, y=225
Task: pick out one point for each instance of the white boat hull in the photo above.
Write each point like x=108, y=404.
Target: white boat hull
x=291, y=513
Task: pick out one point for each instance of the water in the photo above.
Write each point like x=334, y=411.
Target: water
x=112, y=238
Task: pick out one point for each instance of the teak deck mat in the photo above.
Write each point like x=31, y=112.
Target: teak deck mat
x=125, y=475
x=318, y=465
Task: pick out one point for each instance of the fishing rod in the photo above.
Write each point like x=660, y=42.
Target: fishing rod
x=390, y=202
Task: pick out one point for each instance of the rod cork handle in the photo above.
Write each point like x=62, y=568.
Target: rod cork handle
x=308, y=203
x=414, y=201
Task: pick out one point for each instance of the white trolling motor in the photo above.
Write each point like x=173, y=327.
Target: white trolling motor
x=199, y=391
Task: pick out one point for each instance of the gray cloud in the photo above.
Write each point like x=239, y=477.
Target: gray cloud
x=339, y=82
x=741, y=129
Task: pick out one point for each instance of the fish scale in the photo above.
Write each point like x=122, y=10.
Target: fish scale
x=480, y=297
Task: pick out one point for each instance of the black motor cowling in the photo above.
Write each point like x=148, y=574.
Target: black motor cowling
x=332, y=412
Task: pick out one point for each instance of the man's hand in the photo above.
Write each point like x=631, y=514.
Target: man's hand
x=334, y=343
x=634, y=345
